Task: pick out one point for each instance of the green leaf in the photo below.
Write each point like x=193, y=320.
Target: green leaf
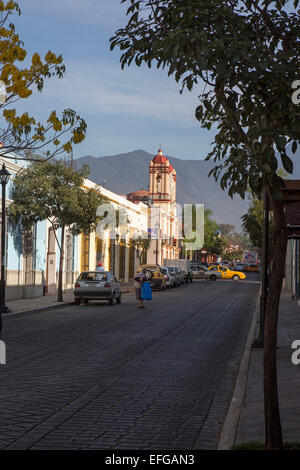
x=287, y=163
x=199, y=112
x=280, y=142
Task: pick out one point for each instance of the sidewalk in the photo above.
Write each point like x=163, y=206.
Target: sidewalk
x=38, y=304
x=251, y=423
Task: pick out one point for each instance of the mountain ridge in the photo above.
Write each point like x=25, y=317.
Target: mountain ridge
x=130, y=172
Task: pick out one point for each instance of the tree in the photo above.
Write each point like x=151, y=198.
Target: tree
x=213, y=241
x=20, y=133
x=253, y=225
x=54, y=192
x=246, y=53
x=141, y=244
x=226, y=229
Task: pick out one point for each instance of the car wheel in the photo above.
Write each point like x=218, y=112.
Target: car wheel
x=213, y=277
x=111, y=300
x=118, y=299
x=235, y=277
x=86, y=301
x=77, y=301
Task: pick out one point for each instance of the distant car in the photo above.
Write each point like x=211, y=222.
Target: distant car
x=180, y=274
x=239, y=267
x=253, y=268
x=202, y=272
x=169, y=277
x=226, y=263
x=188, y=276
x=155, y=275
x=227, y=273
x=92, y=285
x=173, y=270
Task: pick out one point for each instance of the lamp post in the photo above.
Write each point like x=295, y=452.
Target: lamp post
x=4, y=177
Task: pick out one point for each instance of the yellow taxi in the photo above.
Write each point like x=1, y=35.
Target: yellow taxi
x=155, y=275
x=228, y=273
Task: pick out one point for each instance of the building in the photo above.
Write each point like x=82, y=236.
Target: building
x=111, y=245
x=163, y=223
x=32, y=257
x=25, y=257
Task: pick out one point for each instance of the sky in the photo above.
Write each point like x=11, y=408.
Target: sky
x=125, y=110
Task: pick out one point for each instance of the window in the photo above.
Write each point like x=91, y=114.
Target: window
x=29, y=255
x=85, y=252
x=69, y=258
x=93, y=276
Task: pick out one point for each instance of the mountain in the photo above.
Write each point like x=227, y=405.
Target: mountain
x=129, y=172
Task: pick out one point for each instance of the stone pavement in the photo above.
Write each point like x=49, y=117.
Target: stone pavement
x=115, y=377
x=251, y=425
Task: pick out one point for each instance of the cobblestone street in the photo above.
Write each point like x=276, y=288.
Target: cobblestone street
x=114, y=377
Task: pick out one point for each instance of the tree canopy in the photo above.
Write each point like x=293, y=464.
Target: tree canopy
x=22, y=132
x=244, y=57
x=55, y=192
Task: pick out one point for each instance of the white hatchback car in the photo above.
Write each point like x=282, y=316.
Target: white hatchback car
x=169, y=277
x=92, y=285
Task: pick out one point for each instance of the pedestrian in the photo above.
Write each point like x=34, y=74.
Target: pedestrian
x=100, y=268
x=139, y=278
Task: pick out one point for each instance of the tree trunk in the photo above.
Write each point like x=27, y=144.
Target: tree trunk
x=61, y=265
x=272, y=415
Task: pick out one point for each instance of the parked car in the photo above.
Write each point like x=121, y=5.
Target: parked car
x=226, y=263
x=169, y=277
x=174, y=272
x=180, y=275
x=239, y=267
x=188, y=276
x=155, y=276
x=253, y=268
x=92, y=285
x=227, y=273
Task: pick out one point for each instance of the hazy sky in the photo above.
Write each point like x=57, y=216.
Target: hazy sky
x=125, y=110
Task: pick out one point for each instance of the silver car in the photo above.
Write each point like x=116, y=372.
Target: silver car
x=92, y=285
x=202, y=272
x=169, y=277
x=175, y=274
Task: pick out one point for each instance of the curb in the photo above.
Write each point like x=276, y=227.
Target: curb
x=228, y=432
x=20, y=313
x=36, y=310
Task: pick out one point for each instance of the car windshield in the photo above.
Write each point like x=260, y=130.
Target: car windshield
x=149, y=268
x=93, y=276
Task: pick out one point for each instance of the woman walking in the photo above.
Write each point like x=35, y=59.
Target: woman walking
x=138, y=282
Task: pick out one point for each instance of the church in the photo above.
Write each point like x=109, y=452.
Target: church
x=163, y=223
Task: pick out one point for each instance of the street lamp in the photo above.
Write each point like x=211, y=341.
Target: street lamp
x=4, y=177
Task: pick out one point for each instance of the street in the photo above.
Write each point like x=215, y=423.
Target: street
x=114, y=377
